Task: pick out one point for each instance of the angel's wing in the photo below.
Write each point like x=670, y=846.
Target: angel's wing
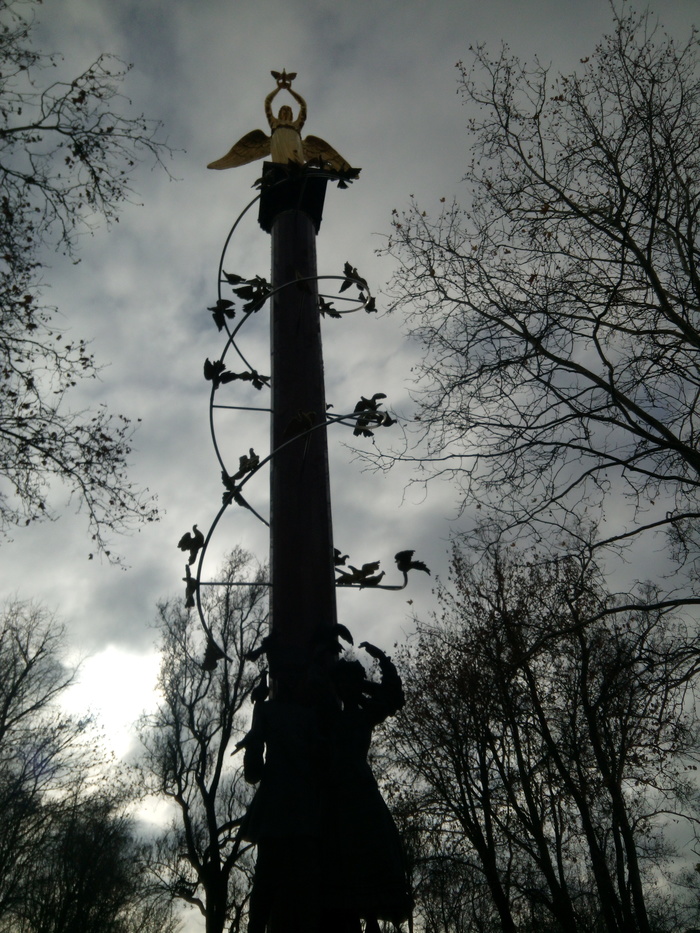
x=317, y=148
x=252, y=146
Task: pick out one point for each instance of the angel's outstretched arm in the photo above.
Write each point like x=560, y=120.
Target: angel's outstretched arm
x=272, y=120
x=301, y=119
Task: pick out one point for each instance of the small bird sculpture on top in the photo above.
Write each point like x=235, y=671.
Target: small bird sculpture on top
x=366, y=575
x=404, y=562
x=284, y=144
x=192, y=543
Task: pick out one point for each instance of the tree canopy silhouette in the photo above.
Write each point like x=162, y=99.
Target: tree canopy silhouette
x=202, y=859
x=558, y=308
x=547, y=753
x=67, y=152
x=70, y=859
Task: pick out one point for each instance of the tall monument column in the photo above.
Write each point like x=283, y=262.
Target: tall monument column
x=328, y=853
x=301, y=550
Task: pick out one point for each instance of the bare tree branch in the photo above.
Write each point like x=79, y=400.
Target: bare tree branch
x=558, y=311
x=67, y=152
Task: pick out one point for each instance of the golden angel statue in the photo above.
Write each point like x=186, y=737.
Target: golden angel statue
x=284, y=144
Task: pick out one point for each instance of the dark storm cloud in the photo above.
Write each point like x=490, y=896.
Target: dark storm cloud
x=380, y=82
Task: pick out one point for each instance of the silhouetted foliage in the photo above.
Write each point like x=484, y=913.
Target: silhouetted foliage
x=67, y=150
x=550, y=733
x=202, y=859
x=559, y=307
x=89, y=874
x=40, y=746
x=545, y=749
x=69, y=859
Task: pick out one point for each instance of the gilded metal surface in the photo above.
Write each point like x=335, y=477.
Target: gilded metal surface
x=284, y=144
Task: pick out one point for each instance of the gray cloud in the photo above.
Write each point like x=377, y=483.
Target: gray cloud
x=380, y=82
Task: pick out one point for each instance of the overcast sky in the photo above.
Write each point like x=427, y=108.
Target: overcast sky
x=381, y=85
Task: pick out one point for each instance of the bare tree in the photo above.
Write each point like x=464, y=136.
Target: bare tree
x=559, y=307
x=41, y=748
x=67, y=150
x=547, y=744
x=69, y=857
x=88, y=874
x=189, y=743
x=447, y=883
